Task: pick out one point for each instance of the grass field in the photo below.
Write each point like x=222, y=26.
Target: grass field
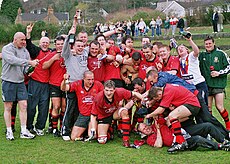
x=47, y=149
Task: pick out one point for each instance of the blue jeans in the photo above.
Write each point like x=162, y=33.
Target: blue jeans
x=153, y=31
x=136, y=32
x=158, y=31
x=181, y=29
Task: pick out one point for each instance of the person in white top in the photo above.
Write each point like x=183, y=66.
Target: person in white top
x=153, y=26
x=141, y=27
x=173, y=23
x=189, y=67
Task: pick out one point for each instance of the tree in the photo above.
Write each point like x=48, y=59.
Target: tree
x=9, y=9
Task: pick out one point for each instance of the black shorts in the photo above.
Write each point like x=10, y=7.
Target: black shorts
x=214, y=91
x=82, y=121
x=13, y=91
x=107, y=120
x=55, y=91
x=193, y=109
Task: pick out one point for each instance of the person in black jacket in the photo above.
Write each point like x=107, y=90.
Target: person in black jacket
x=180, y=24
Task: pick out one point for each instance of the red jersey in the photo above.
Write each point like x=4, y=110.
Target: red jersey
x=173, y=63
x=166, y=134
x=145, y=64
x=103, y=108
x=111, y=70
x=39, y=74
x=57, y=70
x=85, y=98
x=177, y=95
x=97, y=67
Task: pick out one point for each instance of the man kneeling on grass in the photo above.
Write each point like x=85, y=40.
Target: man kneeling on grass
x=106, y=108
x=86, y=90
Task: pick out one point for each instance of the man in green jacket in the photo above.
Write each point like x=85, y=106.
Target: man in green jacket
x=212, y=61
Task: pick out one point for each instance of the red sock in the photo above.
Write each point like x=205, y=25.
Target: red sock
x=12, y=120
x=224, y=115
x=126, y=129
x=176, y=126
x=55, y=121
x=119, y=127
x=61, y=118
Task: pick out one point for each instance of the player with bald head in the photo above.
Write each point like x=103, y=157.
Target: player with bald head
x=15, y=60
x=38, y=86
x=85, y=91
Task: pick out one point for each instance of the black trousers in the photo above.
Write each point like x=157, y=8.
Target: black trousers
x=203, y=129
x=214, y=24
x=197, y=141
x=205, y=116
x=71, y=114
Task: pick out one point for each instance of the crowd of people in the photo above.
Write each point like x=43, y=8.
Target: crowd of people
x=100, y=88
x=141, y=28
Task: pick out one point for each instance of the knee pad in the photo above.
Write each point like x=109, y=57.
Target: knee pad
x=102, y=139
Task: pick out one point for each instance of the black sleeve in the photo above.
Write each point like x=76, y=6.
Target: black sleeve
x=33, y=50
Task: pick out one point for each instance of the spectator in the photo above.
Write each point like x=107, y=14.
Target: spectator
x=133, y=28
x=215, y=18
x=158, y=26
x=166, y=26
x=220, y=27
x=180, y=24
x=173, y=23
x=152, y=24
x=96, y=30
x=142, y=27
x=137, y=28
x=128, y=31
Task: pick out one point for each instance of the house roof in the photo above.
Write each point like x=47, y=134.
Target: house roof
x=196, y=4
x=161, y=5
x=38, y=17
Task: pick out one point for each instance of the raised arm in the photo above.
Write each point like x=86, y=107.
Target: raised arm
x=33, y=49
x=194, y=47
